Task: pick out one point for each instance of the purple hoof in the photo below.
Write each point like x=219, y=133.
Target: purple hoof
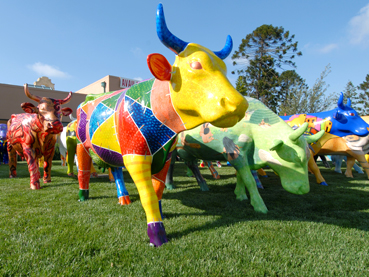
x=156, y=233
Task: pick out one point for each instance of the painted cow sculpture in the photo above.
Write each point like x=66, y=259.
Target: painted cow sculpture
x=137, y=127
x=3, y=143
x=33, y=135
x=353, y=147
x=340, y=122
x=261, y=139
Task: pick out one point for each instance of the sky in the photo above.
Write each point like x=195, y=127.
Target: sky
x=76, y=43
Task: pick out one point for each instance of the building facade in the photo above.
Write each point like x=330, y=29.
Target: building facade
x=12, y=96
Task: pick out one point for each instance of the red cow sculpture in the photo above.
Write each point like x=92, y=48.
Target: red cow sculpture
x=33, y=135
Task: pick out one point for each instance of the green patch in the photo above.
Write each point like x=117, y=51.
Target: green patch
x=92, y=97
x=141, y=92
x=111, y=102
x=264, y=117
x=160, y=157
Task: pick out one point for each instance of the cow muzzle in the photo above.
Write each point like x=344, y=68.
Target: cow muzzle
x=233, y=111
x=54, y=127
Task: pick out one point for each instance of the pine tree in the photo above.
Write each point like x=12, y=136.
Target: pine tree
x=363, y=109
x=263, y=51
x=305, y=100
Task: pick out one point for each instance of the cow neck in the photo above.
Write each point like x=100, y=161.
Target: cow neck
x=162, y=106
x=37, y=126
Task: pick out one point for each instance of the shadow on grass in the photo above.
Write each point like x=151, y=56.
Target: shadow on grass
x=343, y=203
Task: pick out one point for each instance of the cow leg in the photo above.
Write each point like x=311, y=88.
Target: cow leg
x=93, y=171
x=12, y=155
x=249, y=181
x=84, y=168
x=71, y=151
x=364, y=164
x=47, y=168
x=123, y=195
x=212, y=170
x=240, y=189
x=2, y=151
x=5, y=157
x=338, y=163
x=111, y=176
x=349, y=164
x=257, y=180
x=196, y=172
x=262, y=173
x=33, y=168
x=62, y=158
x=158, y=181
x=139, y=168
x=169, y=183
x=315, y=169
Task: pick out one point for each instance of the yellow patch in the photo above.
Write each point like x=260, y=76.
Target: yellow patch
x=105, y=135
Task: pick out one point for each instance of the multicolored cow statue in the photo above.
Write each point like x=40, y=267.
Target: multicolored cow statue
x=340, y=122
x=262, y=138
x=137, y=127
x=3, y=151
x=33, y=135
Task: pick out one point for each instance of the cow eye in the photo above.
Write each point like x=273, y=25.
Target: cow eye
x=196, y=65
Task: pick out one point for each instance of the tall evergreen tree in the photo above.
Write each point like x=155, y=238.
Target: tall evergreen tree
x=350, y=92
x=363, y=109
x=289, y=83
x=305, y=100
x=266, y=49
x=260, y=81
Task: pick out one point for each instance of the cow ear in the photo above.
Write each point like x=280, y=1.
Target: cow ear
x=29, y=107
x=66, y=111
x=159, y=67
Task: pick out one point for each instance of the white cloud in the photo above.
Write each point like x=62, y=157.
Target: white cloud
x=138, y=79
x=48, y=70
x=137, y=52
x=359, y=27
x=328, y=48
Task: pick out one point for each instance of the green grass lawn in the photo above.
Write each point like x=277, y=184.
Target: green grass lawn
x=49, y=233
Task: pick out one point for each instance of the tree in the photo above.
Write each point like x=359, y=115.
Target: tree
x=305, y=100
x=263, y=51
x=349, y=92
x=260, y=81
x=364, y=97
x=289, y=83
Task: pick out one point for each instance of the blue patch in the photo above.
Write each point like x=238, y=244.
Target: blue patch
x=155, y=132
x=98, y=116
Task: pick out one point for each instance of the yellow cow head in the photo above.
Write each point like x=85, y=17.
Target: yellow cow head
x=199, y=87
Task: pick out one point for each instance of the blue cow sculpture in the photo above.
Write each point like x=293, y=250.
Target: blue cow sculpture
x=339, y=122
x=3, y=151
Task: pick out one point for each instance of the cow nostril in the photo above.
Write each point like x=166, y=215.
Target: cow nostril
x=227, y=104
x=223, y=102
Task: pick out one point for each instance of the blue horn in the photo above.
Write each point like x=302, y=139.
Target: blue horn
x=222, y=54
x=166, y=37
x=340, y=102
x=177, y=45
x=348, y=102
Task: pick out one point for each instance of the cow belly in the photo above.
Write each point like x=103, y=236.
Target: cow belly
x=335, y=146
x=103, y=137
